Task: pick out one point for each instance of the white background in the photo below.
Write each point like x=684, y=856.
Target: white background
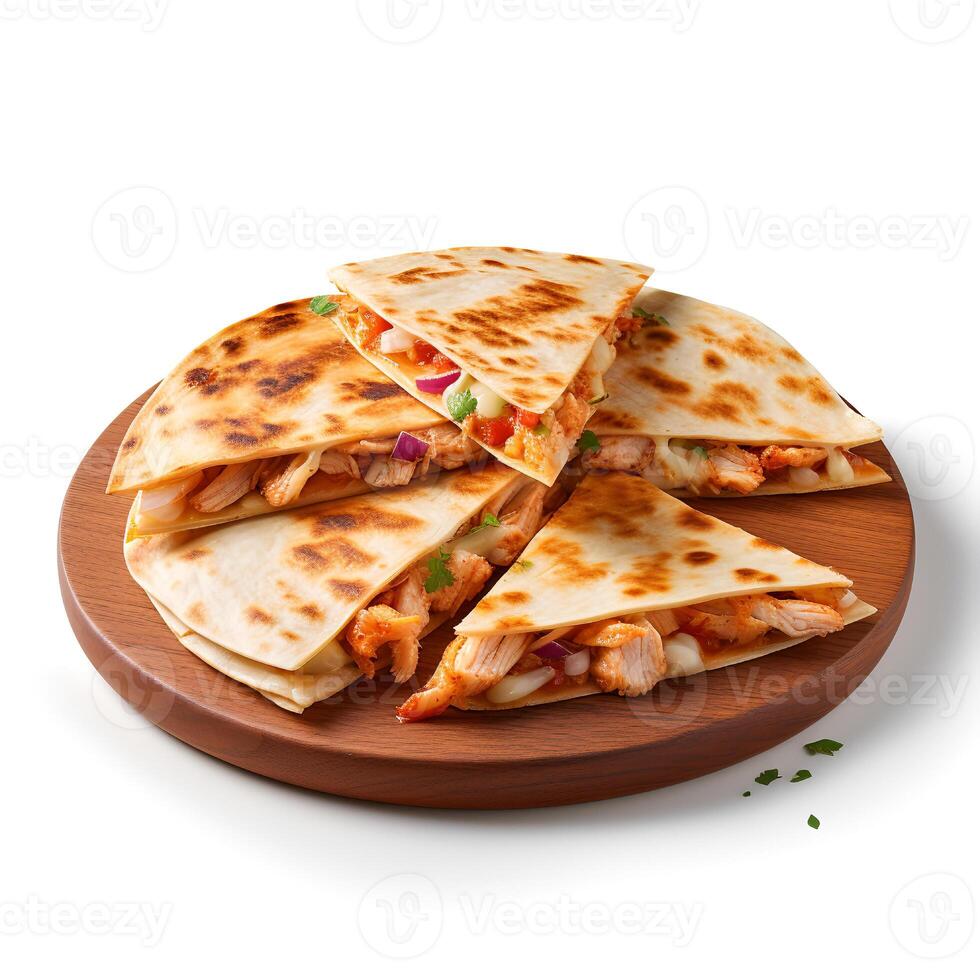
x=823, y=164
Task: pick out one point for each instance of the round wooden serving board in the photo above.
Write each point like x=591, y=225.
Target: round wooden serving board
x=587, y=749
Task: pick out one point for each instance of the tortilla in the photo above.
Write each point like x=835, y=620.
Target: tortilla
x=278, y=590
x=521, y=322
x=279, y=383
x=696, y=371
x=621, y=547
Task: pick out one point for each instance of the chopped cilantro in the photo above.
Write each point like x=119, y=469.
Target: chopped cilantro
x=461, y=404
x=523, y=564
x=439, y=574
x=588, y=442
x=768, y=776
x=823, y=746
x=322, y=305
x=488, y=521
x=801, y=774
x=656, y=317
x=700, y=451
x=813, y=822
x=748, y=792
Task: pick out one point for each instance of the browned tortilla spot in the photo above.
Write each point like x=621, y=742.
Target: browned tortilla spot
x=700, y=557
x=257, y=615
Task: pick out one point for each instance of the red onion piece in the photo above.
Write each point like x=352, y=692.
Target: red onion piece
x=438, y=383
x=552, y=651
x=409, y=449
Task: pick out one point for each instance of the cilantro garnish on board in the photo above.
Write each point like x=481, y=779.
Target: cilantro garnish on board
x=322, y=305
x=439, y=574
x=823, y=746
x=813, y=822
x=461, y=404
x=801, y=774
x=768, y=776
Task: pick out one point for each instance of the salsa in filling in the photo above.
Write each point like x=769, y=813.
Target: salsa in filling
x=628, y=655
x=440, y=583
x=386, y=462
x=720, y=467
x=542, y=440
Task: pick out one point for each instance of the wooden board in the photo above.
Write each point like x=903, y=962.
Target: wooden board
x=587, y=749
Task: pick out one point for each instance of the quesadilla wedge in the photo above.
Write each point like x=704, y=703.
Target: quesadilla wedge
x=624, y=587
x=509, y=343
x=704, y=401
x=275, y=411
x=298, y=603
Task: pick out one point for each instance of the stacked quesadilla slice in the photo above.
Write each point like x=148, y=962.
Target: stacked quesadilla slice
x=624, y=587
x=510, y=344
x=299, y=604
x=273, y=412
x=704, y=400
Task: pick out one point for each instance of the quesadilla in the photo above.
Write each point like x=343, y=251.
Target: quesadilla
x=275, y=411
x=624, y=587
x=300, y=603
x=509, y=343
x=704, y=400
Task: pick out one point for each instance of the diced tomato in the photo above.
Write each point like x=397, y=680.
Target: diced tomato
x=528, y=419
x=374, y=326
x=494, y=432
x=422, y=353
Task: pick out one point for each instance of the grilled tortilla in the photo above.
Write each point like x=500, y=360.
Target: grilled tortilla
x=626, y=586
x=509, y=343
x=275, y=411
x=308, y=599
x=705, y=400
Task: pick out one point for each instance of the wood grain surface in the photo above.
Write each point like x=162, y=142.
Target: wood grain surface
x=587, y=749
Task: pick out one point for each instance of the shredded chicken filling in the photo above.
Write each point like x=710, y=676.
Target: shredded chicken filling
x=627, y=655
x=282, y=479
x=719, y=467
x=535, y=438
x=397, y=618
